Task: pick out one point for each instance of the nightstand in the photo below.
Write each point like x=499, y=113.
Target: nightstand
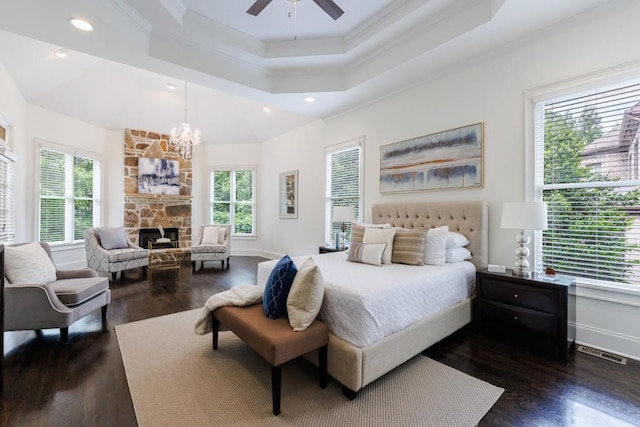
x=533, y=311
x=329, y=249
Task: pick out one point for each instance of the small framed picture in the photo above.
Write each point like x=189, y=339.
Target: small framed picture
x=289, y=194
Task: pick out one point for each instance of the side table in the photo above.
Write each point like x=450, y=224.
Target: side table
x=165, y=256
x=329, y=249
x=533, y=311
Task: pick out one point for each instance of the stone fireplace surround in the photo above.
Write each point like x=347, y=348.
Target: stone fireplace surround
x=153, y=210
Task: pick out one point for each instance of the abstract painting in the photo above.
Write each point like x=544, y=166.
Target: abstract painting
x=158, y=176
x=443, y=160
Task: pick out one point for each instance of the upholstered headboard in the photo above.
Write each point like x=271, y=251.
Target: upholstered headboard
x=468, y=218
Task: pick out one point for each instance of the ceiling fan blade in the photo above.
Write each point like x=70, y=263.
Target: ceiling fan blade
x=257, y=7
x=329, y=6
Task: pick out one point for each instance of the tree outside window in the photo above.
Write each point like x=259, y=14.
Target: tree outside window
x=233, y=199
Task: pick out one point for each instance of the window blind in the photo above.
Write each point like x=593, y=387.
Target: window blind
x=586, y=170
x=52, y=196
x=7, y=200
x=344, y=177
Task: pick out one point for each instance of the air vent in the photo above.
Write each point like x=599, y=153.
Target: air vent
x=602, y=354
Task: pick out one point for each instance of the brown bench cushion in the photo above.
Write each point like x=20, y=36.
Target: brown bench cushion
x=273, y=339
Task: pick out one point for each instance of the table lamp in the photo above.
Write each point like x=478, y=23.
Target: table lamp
x=342, y=214
x=523, y=216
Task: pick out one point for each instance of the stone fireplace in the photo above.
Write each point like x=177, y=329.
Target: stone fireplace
x=171, y=211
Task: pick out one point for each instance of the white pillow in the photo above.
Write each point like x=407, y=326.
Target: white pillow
x=366, y=253
x=457, y=255
x=456, y=240
x=112, y=238
x=305, y=296
x=436, y=246
x=377, y=235
x=210, y=236
x=28, y=265
x=358, y=229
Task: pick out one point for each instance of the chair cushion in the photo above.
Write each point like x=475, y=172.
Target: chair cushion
x=28, y=265
x=75, y=291
x=197, y=249
x=211, y=235
x=119, y=255
x=112, y=237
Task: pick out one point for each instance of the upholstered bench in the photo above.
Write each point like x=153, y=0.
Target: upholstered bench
x=274, y=340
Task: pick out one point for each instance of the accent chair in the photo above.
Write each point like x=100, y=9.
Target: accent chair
x=106, y=254
x=213, y=243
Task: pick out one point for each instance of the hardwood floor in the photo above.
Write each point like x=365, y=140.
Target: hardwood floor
x=82, y=383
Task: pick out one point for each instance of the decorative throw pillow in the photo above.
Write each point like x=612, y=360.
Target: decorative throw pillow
x=457, y=255
x=112, y=238
x=277, y=288
x=358, y=228
x=436, y=246
x=376, y=235
x=223, y=235
x=210, y=235
x=408, y=246
x=306, y=295
x=456, y=240
x=366, y=253
x=28, y=265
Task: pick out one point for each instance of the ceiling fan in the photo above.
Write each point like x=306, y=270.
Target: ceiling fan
x=329, y=6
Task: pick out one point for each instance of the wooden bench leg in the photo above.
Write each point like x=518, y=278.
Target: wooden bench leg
x=215, y=323
x=276, y=382
x=322, y=362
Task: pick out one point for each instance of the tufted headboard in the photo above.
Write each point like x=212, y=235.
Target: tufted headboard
x=468, y=218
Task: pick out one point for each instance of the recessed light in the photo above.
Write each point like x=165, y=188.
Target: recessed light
x=81, y=24
x=60, y=53
x=172, y=86
x=310, y=99
x=266, y=109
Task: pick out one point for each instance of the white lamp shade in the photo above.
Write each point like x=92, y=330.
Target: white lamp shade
x=343, y=214
x=524, y=215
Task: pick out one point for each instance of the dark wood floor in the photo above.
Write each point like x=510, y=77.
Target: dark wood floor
x=82, y=383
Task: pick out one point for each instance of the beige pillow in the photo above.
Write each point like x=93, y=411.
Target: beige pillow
x=305, y=296
x=436, y=246
x=376, y=235
x=211, y=235
x=28, y=265
x=408, y=246
x=366, y=253
x=358, y=228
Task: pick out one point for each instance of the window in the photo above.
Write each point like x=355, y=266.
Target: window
x=586, y=170
x=7, y=196
x=69, y=196
x=232, y=195
x=343, y=164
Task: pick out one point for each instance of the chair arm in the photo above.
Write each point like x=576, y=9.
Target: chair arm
x=75, y=274
x=21, y=297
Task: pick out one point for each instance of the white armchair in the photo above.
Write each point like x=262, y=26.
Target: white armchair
x=112, y=261
x=213, y=243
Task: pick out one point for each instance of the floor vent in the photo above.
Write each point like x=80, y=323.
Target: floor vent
x=602, y=354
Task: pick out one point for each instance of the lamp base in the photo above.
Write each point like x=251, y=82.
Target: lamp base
x=521, y=273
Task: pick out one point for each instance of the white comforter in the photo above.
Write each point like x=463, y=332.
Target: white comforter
x=364, y=303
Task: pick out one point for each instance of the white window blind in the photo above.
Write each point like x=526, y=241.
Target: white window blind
x=69, y=196
x=343, y=182
x=232, y=195
x=586, y=170
x=7, y=200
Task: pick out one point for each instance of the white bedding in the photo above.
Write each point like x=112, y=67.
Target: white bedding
x=364, y=303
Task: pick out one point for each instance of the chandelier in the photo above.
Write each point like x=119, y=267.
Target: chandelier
x=183, y=138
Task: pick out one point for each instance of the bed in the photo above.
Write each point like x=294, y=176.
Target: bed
x=365, y=346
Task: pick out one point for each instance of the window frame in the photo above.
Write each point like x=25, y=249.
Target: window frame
x=329, y=151
x=70, y=154
x=614, y=77
x=232, y=203
x=8, y=202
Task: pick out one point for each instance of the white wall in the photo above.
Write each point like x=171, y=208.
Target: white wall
x=491, y=89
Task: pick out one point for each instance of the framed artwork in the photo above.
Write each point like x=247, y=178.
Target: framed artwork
x=440, y=161
x=158, y=176
x=289, y=194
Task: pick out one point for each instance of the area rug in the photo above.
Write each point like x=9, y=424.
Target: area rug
x=175, y=378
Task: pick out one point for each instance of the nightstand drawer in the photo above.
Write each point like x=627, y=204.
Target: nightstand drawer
x=522, y=296
x=506, y=316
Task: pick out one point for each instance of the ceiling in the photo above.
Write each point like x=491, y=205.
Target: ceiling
x=236, y=64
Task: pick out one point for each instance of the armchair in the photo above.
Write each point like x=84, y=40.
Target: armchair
x=57, y=304
x=205, y=248
x=113, y=260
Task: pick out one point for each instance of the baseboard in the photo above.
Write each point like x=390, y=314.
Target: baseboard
x=609, y=341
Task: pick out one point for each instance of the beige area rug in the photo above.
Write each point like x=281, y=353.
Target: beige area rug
x=176, y=379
